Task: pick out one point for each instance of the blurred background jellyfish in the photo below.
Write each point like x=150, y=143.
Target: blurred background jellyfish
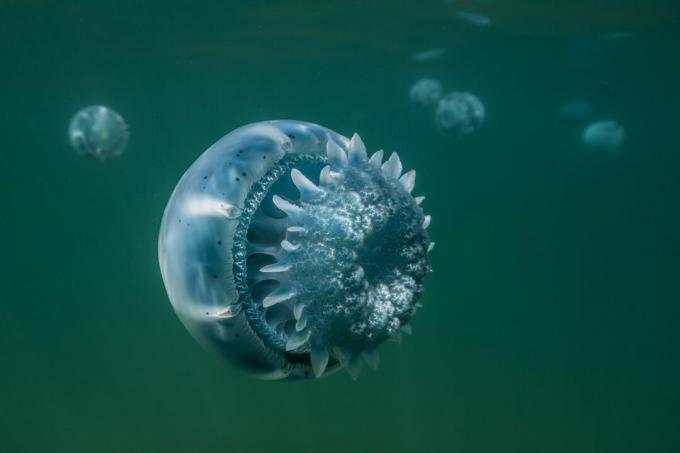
x=474, y=18
x=425, y=92
x=429, y=55
x=577, y=111
x=98, y=131
x=459, y=114
x=605, y=135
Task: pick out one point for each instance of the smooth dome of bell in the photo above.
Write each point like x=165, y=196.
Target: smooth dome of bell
x=99, y=132
x=288, y=250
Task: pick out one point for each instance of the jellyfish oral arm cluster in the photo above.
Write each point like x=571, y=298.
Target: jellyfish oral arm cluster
x=287, y=250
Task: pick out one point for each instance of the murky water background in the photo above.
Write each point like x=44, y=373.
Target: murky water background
x=550, y=323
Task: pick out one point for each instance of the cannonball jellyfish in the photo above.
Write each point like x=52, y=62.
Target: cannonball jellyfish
x=288, y=251
x=459, y=114
x=98, y=131
x=605, y=135
x=425, y=92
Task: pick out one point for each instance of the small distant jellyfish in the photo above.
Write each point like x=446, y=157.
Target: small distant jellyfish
x=473, y=18
x=98, y=131
x=288, y=251
x=429, y=55
x=425, y=92
x=577, y=111
x=604, y=136
x=459, y=114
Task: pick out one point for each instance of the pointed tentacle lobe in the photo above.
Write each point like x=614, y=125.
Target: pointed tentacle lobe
x=347, y=256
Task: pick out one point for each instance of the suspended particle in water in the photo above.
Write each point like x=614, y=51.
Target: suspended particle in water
x=618, y=36
x=98, y=131
x=425, y=92
x=459, y=114
x=303, y=256
x=605, y=135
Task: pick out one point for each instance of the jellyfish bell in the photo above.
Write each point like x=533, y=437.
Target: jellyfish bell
x=459, y=114
x=425, y=92
x=288, y=251
x=607, y=135
x=98, y=131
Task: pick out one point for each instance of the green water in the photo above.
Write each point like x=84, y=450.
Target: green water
x=549, y=325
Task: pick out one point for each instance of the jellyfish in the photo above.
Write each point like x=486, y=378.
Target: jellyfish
x=429, y=55
x=425, y=92
x=577, y=111
x=289, y=252
x=605, y=135
x=473, y=18
x=98, y=131
x=459, y=114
